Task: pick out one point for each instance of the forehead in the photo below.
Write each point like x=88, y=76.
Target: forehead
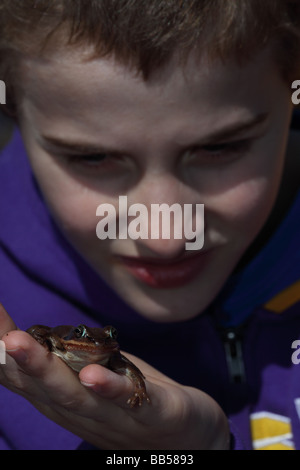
x=102, y=95
x=70, y=75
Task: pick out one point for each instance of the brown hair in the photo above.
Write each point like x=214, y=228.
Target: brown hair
x=146, y=33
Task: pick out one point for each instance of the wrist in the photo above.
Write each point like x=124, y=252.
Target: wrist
x=220, y=435
x=210, y=429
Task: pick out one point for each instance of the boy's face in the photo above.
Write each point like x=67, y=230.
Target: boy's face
x=211, y=134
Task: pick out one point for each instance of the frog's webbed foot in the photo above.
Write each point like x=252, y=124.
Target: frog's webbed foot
x=140, y=393
x=137, y=398
x=121, y=365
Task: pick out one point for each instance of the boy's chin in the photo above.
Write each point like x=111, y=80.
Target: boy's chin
x=164, y=313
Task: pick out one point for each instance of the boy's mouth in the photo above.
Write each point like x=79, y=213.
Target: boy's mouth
x=166, y=274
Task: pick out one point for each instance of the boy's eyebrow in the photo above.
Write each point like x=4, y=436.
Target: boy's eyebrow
x=70, y=146
x=233, y=130
x=221, y=135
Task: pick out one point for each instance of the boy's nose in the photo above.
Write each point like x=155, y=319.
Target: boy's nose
x=166, y=248
x=165, y=217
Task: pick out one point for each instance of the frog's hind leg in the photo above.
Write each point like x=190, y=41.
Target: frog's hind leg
x=121, y=365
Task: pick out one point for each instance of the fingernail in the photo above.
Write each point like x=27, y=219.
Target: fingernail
x=86, y=384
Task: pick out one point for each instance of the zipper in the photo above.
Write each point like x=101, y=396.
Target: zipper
x=232, y=341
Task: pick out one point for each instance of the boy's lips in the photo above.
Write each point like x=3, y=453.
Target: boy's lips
x=166, y=274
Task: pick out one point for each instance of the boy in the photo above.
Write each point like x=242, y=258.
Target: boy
x=166, y=103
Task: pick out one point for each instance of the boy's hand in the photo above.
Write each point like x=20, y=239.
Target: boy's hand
x=178, y=417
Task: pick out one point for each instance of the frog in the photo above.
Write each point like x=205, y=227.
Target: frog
x=79, y=346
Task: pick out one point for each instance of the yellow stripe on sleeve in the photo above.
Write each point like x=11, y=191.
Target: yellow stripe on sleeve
x=284, y=299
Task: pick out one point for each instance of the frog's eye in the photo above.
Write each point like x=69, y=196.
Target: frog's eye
x=80, y=331
x=111, y=332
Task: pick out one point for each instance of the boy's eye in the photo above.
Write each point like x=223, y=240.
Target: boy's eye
x=217, y=148
x=220, y=152
x=231, y=147
x=94, y=159
x=97, y=162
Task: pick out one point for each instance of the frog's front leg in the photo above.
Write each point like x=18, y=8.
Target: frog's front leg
x=121, y=365
x=40, y=333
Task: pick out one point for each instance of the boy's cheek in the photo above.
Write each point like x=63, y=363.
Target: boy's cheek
x=243, y=210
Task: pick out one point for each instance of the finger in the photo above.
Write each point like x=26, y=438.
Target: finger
x=109, y=385
x=41, y=376
x=103, y=381
x=27, y=352
x=40, y=373
x=6, y=322
x=23, y=364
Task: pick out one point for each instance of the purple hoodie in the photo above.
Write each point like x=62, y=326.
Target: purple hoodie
x=239, y=351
